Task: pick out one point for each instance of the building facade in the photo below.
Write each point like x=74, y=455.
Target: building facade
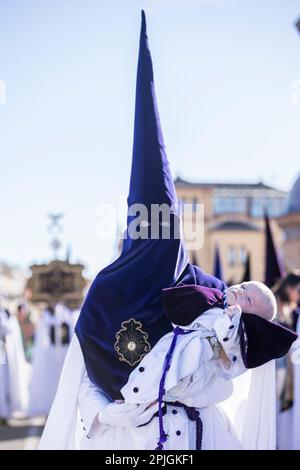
x=290, y=224
x=232, y=219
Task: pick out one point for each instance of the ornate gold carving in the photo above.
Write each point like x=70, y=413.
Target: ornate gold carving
x=57, y=281
x=131, y=342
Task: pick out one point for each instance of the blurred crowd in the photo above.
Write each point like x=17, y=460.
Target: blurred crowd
x=287, y=293
x=31, y=358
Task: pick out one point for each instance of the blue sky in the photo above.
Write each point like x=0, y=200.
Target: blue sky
x=224, y=71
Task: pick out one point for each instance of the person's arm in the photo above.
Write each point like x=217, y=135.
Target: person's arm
x=91, y=400
x=96, y=409
x=208, y=280
x=193, y=360
x=211, y=382
x=224, y=362
x=226, y=327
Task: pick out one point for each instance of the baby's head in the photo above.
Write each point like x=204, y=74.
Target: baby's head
x=253, y=297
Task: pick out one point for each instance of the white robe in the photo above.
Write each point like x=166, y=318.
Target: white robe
x=194, y=378
x=288, y=421
x=296, y=405
x=48, y=360
x=285, y=417
x=14, y=371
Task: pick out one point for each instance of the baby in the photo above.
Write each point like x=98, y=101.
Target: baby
x=250, y=306
x=253, y=297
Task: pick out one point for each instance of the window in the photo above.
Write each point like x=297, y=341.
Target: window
x=274, y=206
x=231, y=256
x=230, y=205
x=243, y=255
x=195, y=202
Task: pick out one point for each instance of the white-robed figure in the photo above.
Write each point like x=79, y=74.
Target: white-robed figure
x=52, y=338
x=295, y=357
x=14, y=371
x=143, y=374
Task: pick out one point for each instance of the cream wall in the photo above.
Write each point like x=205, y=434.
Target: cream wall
x=252, y=241
x=291, y=245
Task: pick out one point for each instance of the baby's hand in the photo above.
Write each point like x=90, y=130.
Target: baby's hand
x=232, y=310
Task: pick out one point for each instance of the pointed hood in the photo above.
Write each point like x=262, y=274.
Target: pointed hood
x=218, y=272
x=273, y=267
x=247, y=272
x=151, y=181
x=122, y=317
x=194, y=258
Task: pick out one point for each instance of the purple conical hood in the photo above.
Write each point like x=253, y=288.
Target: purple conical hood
x=273, y=266
x=151, y=180
x=122, y=316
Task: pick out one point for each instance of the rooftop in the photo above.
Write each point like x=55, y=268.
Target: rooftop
x=236, y=225
x=179, y=182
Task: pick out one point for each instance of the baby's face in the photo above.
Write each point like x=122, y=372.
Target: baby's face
x=253, y=297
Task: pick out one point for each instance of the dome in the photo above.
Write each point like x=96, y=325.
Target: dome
x=293, y=203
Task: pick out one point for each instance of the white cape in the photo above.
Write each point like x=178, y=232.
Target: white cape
x=14, y=372
x=48, y=360
x=251, y=408
x=61, y=428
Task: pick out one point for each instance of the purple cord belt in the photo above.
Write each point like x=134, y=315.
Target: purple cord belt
x=191, y=412
x=193, y=415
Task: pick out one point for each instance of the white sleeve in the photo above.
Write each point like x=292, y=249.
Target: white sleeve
x=91, y=400
x=190, y=353
x=227, y=333
x=213, y=377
